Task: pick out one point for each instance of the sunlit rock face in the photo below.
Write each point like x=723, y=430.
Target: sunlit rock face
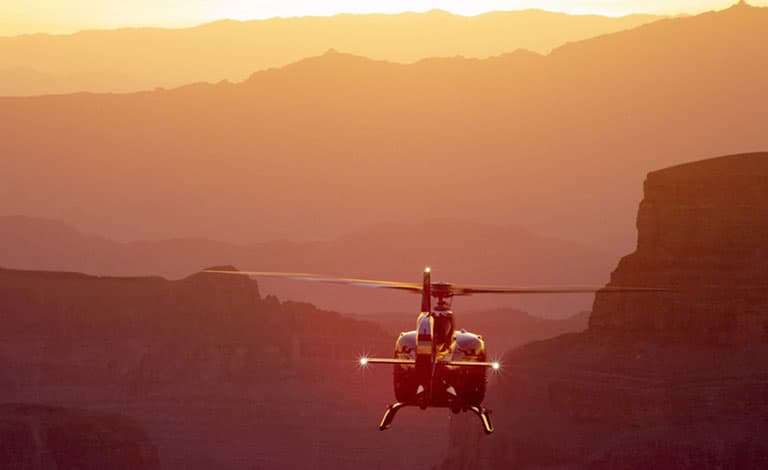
x=659, y=380
x=702, y=231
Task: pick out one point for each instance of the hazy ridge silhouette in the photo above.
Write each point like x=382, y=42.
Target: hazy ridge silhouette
x=142, y=58
x=502, y=255
x=555, y=143
x=545, y=154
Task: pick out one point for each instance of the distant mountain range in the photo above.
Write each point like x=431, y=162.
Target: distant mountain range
x=463, y=252
x=558, y=144
x=144, y=58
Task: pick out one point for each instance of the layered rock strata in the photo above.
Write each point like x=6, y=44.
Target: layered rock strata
x=217, y=375
x=702, y=231
x=659, y=380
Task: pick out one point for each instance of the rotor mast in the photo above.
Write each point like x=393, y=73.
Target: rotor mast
x=426, y=291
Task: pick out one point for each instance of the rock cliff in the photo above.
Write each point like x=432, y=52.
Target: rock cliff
x=217, y=375
x=663, y=380
x=702, y=230
x=42, y=437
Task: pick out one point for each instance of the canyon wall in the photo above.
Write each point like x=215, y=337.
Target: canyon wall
x=215, y=374
x=702, y=231
x=659, y=380
x=48, y=437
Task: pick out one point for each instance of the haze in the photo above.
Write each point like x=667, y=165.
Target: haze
x=500, y=143
x=52, y=16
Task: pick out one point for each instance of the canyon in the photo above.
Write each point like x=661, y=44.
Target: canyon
x=665, y=379
x=43, y=437
x=215, y=374
x=207, y=370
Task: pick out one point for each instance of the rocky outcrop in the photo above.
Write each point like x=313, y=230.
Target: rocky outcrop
x=703, y=231
x=217, y=375
x=659, y=380
x=42, y=437
x=61, y=305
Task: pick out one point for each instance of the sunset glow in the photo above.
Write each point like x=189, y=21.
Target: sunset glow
x=259, y=9
x=588, y=177
x=62, y=17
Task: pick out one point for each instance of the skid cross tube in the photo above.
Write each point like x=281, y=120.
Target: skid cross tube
x=389, y=416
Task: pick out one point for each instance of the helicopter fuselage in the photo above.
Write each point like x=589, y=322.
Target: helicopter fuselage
x=430, y=380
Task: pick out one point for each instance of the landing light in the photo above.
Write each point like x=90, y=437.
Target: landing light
x=363, y=361
x=496, y=366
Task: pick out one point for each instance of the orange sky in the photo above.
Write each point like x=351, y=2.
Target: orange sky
x=29, y=16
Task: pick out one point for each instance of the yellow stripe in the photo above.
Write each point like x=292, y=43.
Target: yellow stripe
x=424, y=348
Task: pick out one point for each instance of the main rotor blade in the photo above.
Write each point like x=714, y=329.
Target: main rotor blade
x=413, y=287
x=469, y=290
x=455, y=289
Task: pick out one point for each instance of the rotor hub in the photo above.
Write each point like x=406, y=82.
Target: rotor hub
x=443, y=292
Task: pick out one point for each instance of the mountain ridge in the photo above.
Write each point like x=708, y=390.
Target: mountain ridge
x=482, y=139
x=432, y=12
x=504, y=254
x=231, y=50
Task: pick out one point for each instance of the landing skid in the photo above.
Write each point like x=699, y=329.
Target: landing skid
x=389, y=416
x=485, y=418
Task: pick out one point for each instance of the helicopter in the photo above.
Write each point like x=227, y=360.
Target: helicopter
x=437, y=365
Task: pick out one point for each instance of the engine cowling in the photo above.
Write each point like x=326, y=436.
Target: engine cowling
x=469, y=382
x=405, y=378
